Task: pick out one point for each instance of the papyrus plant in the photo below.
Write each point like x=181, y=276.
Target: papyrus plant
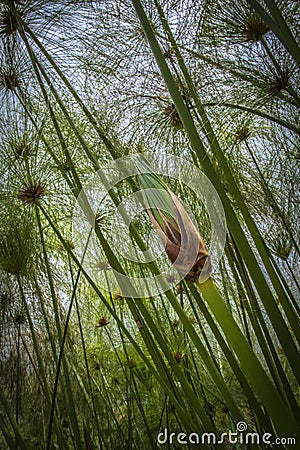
x=254, y=383
x=264, y=289
x=186, y=250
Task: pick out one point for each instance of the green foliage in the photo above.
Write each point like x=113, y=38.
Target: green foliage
x=81, y=84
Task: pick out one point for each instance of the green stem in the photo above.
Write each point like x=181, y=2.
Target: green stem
x=256, y=273
x=281, y=416
x=161, y=374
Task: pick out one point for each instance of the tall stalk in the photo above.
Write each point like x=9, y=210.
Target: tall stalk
x=254, y=269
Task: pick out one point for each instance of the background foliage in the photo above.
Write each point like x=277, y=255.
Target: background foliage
x=83, y=83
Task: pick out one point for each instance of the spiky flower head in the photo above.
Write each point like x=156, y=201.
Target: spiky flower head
x=70, y=244
x=102, y=322
x=254, y=28
x=172, y=116
x=178, y=356
x=280, y=244
x=10, y=79
x=242, y=133
x=31, y=193
x=21, y=144
x=20, y=318
x=279, y=82
x=9, y=22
